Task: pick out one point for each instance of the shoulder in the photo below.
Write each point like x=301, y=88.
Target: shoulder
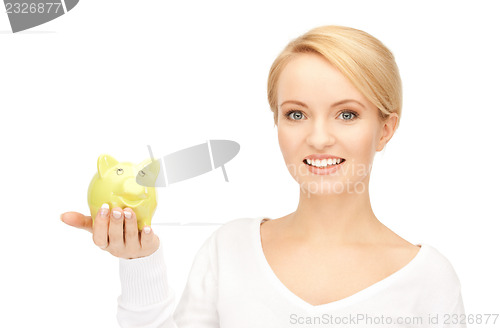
x=438, y=263
x=439, y=271
x=240, y=230
x=238, y=225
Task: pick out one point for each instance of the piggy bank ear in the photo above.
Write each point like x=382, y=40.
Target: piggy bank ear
x=150, y=173
x=104, y=163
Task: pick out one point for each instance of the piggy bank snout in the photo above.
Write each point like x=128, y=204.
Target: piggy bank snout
x=132, y=190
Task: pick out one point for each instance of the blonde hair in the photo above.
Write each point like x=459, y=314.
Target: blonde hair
x=363, y=59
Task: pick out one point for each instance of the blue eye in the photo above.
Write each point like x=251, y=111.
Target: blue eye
x=287, y=115
x=353, y=114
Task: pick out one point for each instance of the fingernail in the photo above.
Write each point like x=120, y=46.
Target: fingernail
x=104, y=209
x=128, y=215
x=117, y=214
x=147, y=230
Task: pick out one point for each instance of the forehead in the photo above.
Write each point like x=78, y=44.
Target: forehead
x=312, y=78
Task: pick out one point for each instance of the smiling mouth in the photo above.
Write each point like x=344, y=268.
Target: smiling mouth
x=323, y=166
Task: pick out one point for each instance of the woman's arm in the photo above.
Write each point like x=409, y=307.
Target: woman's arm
x=148, y=301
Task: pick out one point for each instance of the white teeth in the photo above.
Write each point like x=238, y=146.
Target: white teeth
x=323, y=162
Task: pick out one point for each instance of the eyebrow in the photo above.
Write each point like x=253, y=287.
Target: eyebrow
x=333, y=105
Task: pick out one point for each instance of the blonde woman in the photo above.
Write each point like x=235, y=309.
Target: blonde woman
x=335, y=93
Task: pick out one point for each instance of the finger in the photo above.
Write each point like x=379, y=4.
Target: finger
x=77, y=220
x=116, y=229
x=131, y=230
x=101, y=222
x=147, y=238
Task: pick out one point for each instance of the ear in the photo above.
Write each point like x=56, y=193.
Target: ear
x=104, y=163
x=388, y=130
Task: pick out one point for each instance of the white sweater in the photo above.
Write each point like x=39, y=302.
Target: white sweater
x=231, y=285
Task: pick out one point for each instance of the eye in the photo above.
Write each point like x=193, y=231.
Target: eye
x=293, y=111
x=142, y=173
x=348, y=113
x=119, y=171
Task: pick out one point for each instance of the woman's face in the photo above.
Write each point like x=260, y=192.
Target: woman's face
x=350, y=129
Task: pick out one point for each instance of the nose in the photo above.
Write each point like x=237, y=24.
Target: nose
x=320, y=136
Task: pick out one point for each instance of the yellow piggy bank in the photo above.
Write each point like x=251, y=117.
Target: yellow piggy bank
x=116, y=183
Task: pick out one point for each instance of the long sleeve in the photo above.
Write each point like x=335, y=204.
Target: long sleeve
x=148, y=301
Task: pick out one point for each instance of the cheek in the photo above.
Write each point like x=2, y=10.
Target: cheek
x=288, y=142
x=284, y=139
x=365, y=145
x=353, y=138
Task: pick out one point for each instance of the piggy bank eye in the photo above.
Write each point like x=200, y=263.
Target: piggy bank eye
x=142, y=173
x=119, y=171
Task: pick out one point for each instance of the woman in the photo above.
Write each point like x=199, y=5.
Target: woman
x=335, y=93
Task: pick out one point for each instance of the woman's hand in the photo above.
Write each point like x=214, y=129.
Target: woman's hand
x=119, y=236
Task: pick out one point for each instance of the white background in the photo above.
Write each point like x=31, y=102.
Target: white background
x=115, y=76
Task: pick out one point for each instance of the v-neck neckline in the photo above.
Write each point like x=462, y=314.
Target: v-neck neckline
x=349, y=300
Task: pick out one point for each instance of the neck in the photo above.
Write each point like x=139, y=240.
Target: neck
x=337, y=219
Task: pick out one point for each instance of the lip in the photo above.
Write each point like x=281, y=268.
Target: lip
x=324, y=171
